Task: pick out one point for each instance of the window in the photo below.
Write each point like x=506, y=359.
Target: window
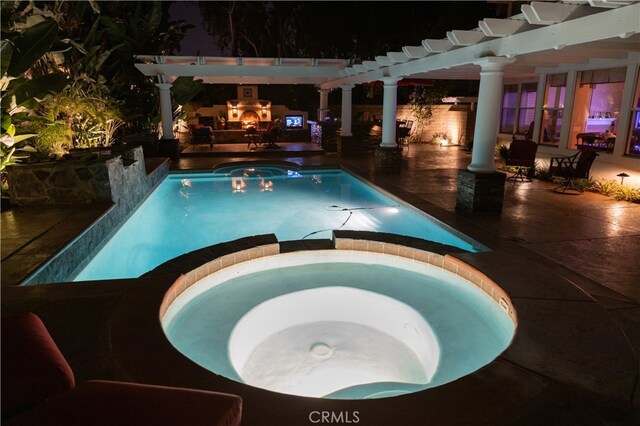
x=553, y=108
x=596, y=109
x=634, y=131
x=518, y=107
x=509, y=103
x=527, y=111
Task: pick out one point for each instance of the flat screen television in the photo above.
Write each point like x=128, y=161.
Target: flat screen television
x=293, y=121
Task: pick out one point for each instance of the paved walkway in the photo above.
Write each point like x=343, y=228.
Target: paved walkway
x=590, y=240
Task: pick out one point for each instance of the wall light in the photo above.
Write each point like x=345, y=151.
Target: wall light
x=264, y=111
x=234, y=110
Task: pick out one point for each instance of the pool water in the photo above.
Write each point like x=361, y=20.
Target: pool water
x=338, y=324
x=191, y=211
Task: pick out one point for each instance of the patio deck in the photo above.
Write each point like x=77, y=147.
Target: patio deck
x=582, y=370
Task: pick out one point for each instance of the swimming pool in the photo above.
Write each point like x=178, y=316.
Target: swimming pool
x=190, y=211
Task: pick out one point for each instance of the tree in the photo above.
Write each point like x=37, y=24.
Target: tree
x=352, y=30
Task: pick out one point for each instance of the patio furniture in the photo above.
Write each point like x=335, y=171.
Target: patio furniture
x=528, y=135
x=33, y=368
x=38, y=388
x=251, y=133
x=595, y=141
x=202, y=135
x=521, y=154
x=403, y=132
x=270, y=137
x=571, y=168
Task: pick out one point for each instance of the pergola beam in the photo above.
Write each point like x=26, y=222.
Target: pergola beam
x=622, y=21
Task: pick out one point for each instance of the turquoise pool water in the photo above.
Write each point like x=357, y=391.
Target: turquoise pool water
x=190, y=211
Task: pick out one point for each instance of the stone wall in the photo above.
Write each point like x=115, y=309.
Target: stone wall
x=456, y=121
x=60, y=182
x=325, y=134
x=237, y=136
x=127, y=185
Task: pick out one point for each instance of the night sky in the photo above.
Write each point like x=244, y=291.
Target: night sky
x=197, y=40
x=410, y=22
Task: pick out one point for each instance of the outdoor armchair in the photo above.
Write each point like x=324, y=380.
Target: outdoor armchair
x=571, y=168
x=521, y=154
x=202, y=135
x=38, y=388
x=271, y=136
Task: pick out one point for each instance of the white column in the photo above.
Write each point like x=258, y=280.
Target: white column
x=542, y=84
x=324, y=104
x=485, y=135
x=346, y=110
x=166, y=111
x=389, y=111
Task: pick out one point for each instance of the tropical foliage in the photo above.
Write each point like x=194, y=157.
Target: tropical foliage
x=69, y=76
x=423, y=99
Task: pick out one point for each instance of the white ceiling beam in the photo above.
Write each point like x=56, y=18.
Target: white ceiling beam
x=383, y=60
x=437, y=46
x=591, y=64
x=258, y=80
x=360, y=68
x=610, y=3
x=239, y=70
x=415, y=52
x=371, y=65
x=544, y=13
x=492, y=27
x=398, y=57
x=464, y=38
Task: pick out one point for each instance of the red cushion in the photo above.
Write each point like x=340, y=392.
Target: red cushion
x=33, y=369
x=106, y=403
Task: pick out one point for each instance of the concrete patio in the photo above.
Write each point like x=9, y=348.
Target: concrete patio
x=569, y=263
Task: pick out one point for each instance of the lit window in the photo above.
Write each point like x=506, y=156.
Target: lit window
x=518, y=107
x=527, y=111
x=509, y=103
x=596, y=108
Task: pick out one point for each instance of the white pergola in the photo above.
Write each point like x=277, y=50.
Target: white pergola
x=544, y=36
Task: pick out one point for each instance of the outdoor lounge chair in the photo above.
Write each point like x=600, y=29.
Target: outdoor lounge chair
x=571, y=168
x=521, y=154
x=38, y=388
x=202, y=135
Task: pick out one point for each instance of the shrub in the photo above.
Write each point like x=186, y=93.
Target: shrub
x=605, y=186
x=627, y=193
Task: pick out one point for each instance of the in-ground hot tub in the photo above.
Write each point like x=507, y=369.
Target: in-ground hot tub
x=343, y=324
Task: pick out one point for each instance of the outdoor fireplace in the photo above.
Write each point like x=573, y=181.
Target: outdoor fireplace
x=249, y=118
x=248, y=110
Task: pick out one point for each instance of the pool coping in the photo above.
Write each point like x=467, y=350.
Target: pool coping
x=487, y=395
x=355, y=241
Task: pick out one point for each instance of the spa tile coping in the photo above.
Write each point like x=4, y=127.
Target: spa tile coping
x=437, y=258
